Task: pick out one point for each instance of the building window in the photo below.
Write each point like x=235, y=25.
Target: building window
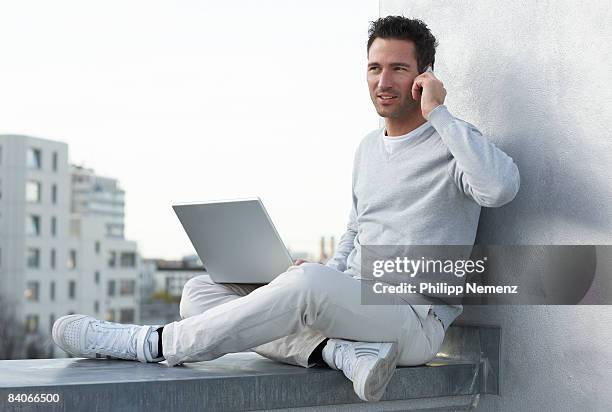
x=51, y=322
x=52, y=291
x=31, y=292
x=112, y=259
x=110, y=315
x=114, y=230
x=33, y=158
x=97, y=247
x=96, y=306
x=128, y=259
x=72, y=289
x=72, y=259
x=33, y=191
x=33, y=258
x=75, y=228
x=54, y=161
x=54, y=194
x=54, y=226
x=32, y=323
x=111, y=288
x=127, y=287
x=33, y=225
x=97, y=277
x=126, y=316
x=53, y=259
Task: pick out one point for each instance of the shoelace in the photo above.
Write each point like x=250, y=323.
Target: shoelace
x=109, y=340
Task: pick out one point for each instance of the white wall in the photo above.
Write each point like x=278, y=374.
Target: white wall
x=535, y=76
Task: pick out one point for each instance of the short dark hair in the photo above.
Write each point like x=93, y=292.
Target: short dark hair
x=403, y=28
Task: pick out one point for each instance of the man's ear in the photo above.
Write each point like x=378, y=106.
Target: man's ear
x=424, y=69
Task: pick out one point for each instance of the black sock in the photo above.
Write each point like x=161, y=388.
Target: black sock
x=317, y=355
x=160, y=349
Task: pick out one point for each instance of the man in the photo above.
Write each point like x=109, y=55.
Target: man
x=419, y=180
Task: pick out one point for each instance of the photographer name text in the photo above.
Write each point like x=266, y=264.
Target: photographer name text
x=441, y=288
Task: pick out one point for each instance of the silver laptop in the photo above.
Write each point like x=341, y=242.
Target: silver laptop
x=235, y=239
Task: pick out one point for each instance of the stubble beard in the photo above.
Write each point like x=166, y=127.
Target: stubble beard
x=401, y=111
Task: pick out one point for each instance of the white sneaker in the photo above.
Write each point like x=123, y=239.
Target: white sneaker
x=369, y=365
x=87, y=337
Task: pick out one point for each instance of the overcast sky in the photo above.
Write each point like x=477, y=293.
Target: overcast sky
x=196, y=100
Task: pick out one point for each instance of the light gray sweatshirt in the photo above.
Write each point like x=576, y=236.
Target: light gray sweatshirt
x=427, y=191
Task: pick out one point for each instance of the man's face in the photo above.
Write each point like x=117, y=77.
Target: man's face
x=392, y=67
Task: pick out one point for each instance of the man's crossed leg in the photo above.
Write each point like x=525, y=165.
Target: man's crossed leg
x=284, y=320
x=201, y=293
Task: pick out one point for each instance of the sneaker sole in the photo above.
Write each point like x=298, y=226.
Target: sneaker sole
x=58, y=333
x=373, y=386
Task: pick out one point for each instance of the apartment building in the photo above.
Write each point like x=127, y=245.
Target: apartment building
x=62, y=245
x=110, y=262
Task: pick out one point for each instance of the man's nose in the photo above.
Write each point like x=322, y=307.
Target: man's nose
x=385, y=81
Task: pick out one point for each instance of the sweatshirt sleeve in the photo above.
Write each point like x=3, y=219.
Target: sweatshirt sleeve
x=347, y=242
x=480, y=169
x=345, y=245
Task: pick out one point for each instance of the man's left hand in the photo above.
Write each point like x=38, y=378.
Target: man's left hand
x=433, y=92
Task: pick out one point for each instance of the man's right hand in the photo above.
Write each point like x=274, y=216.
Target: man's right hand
x=298, y=262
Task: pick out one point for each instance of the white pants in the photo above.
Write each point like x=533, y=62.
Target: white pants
x=288, y=318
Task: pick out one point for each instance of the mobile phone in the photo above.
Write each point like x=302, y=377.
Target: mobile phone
x=425, y=69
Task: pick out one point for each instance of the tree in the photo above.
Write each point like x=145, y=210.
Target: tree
x=15, y=341
x=165, y=296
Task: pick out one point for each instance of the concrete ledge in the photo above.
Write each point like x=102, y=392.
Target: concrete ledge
x=467, y=366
